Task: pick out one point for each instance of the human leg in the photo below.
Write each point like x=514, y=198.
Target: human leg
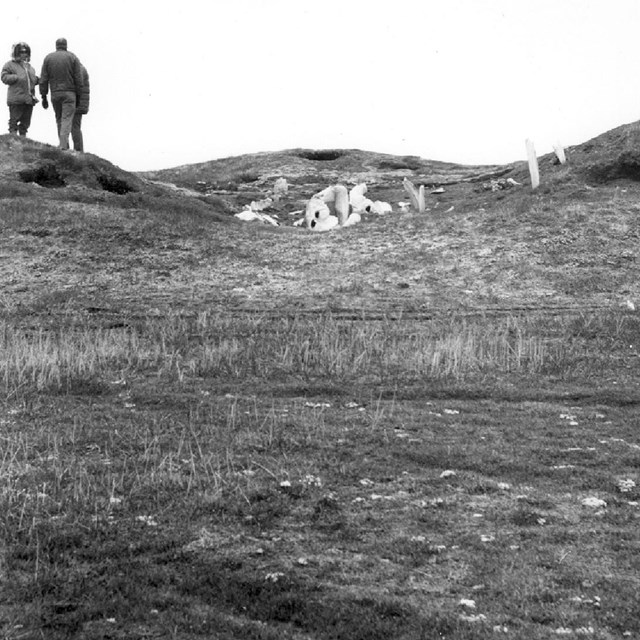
x=64, y=104
x=68, y=111
x=76, y=132
x=56, y=103
x=25, y=119
x=14, y=115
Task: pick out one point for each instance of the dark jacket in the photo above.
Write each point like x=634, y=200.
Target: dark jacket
x=82, y=104
x=61, y=71
x=22, y=81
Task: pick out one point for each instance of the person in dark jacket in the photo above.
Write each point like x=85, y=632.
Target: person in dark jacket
x=22, y=80
x=62, y=74
x=82, y=108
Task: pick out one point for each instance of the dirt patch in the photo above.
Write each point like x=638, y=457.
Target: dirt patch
x=114, y=185
x=322, y=155
x=46, y=175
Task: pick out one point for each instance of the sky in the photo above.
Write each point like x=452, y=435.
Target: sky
x=464, y=81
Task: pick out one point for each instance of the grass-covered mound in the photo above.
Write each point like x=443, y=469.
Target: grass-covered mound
x=424, y=426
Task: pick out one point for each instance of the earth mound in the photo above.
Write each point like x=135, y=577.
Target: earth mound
x=614, y=155
x=314, y=167
x=31, y=169
x=485, y=240
x=30, y=161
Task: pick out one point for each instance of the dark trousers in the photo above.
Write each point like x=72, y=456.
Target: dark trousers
x=20, y=118
x=76, y=132
x=64, y=106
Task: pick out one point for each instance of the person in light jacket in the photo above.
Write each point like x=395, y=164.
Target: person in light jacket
x=22, y=80
x=62, y=74
x=82, y=108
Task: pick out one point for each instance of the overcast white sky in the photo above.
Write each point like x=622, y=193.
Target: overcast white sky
x=463, y=81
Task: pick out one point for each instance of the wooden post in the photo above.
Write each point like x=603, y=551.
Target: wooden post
x=533, y=164
x=559, y=149
x=421, y=203
x=415, y=195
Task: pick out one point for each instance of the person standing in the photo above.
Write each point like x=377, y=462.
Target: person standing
x=62, y=74
x=22, y=80
x=82, y=108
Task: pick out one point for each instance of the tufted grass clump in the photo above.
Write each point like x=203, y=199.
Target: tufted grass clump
x=311, y=348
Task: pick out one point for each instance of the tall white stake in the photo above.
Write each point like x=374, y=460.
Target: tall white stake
x=559, y=149
x=533, y=164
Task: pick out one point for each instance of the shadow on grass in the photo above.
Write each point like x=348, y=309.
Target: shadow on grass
x=128, y=578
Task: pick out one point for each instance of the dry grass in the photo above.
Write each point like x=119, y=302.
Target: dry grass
x=387, y=351
x=182, y=457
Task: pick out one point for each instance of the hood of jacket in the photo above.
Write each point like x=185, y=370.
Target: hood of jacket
x=15, y=51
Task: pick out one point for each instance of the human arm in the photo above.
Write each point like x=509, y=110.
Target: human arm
x=35, y=80
x=44, y=89
x=82, y=106
x=77, y=76
x=7, y=76
x=43, y=82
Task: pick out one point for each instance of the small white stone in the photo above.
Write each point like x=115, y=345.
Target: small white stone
x=469, y=604
x=626, y=485
x=592, y=501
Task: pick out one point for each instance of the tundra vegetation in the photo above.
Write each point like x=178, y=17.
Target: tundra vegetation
x=425, y=426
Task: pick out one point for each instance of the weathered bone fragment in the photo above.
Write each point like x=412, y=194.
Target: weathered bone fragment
x=353, y=218
x=249, y=215
x=381, y=208
x=316, y=212
x=326, y=224
x=280, y=188
x=336, y=198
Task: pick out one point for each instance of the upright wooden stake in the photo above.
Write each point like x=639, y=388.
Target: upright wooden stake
x=421, y=203
x=559, y=149
x=533, y=164
x=415, y=195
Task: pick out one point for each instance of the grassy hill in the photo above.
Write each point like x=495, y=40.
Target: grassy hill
x=562, y=245
x=422, y=426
